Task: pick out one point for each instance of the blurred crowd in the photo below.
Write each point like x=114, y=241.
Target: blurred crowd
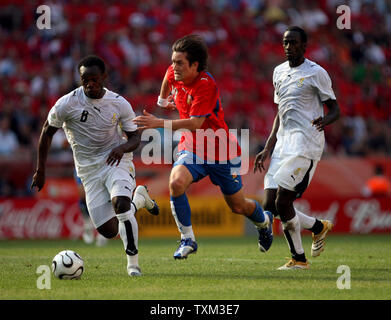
x=244, y=38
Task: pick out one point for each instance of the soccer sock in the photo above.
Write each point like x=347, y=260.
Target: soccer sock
x=293, y=237
x=309, y=223
x=128, y=231
x=139, y=201
x=317, y=228
x=182, y=214
x=258, y=217
x=306, y=222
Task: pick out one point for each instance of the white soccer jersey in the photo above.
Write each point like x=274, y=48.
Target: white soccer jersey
x=300, y=93
x=91, y=125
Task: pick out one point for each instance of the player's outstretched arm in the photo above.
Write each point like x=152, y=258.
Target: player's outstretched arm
x=130, y=145
x=149, y=121
x=262, y=156
x=330, y=117
x=45, y=140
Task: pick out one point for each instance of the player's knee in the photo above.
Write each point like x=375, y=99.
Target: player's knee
x=121, y=204
x=177, y=187
x=283, y=206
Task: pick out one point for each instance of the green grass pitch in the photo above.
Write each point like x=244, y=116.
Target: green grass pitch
x=223, y=268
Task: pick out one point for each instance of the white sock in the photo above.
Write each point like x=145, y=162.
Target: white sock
x=187, y=233
x=293, y=235
x=128, y=231
x=306, y=222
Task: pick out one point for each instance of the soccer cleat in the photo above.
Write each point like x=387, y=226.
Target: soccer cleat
x=265, y=238
x=150, y=204
x=294, y=264
x=134, y=271
x=186, y=247
x=318, y=240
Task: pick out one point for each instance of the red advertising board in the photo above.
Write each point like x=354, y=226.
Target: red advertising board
x=31, y=218
x=349, y=215
x=39, y=219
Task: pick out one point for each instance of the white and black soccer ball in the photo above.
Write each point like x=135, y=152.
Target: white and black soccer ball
x=67, y=264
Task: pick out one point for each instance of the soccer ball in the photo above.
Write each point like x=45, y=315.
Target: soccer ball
x=67, y=264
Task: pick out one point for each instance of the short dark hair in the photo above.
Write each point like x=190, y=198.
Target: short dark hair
x=303, y=34
x=90, y=61
x=196, y=49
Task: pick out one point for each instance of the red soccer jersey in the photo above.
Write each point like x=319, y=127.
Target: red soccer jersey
x=201, y=98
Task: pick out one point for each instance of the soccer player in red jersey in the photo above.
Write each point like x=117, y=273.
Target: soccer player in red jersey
x=206, y=147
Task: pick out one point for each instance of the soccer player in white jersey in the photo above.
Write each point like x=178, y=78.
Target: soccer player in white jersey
x=90, y=116
x=302, y=87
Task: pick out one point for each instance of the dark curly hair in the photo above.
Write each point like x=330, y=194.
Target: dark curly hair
x=196, y=49
x=90, y=61
x=303, y=34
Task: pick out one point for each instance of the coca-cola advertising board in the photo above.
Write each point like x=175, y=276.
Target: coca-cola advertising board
x=31, y=218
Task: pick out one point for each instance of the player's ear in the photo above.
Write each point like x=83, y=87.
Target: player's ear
x=195, y=64
x=304, y=46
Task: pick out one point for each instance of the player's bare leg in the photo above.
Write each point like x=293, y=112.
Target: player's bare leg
x=269, y=201
x=180, y=180
x=109, y=229
x=263, y=220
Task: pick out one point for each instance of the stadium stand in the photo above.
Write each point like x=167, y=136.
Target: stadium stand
x=244, y=39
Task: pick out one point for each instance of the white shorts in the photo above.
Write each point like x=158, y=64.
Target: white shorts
x=103, y=184
x=293, y=173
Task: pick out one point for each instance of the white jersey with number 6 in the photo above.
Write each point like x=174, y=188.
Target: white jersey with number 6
x=300, y=93
x=91, y=125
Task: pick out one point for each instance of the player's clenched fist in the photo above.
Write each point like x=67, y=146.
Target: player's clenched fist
x=38, y=180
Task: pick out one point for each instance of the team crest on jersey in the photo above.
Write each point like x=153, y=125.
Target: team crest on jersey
x=114, y=119
x=300, y=82
x=189, y=99
x=174, y=92
x=296, y=172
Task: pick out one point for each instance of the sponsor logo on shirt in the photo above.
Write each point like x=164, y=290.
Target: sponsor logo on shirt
x=296, y=172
